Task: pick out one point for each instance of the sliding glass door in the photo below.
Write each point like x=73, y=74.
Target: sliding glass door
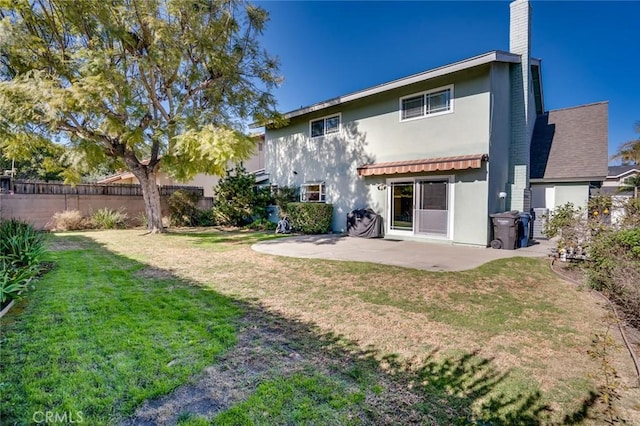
x=401, y=206
x=419, y=207
x=432, y=213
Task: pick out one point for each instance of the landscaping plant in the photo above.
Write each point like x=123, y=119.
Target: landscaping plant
x=69, y=220
x=183, y=208
x=238, y=200
x=21, y=249
x=107, y=218
x=310, y=218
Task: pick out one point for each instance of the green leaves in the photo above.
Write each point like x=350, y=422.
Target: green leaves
x=208, y=149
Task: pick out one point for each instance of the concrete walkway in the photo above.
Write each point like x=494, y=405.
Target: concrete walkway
x=409, y=254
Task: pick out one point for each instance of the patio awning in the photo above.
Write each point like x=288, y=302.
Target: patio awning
x=460, y=162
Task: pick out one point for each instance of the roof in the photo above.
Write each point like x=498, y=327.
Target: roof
x=460, y=162
x=494, y=56
x=618, y=171
x=117, y=177
x=571, y=144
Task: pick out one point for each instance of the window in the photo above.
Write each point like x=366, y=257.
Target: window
x=312, y=192
x=438, y=101
x=324, y=126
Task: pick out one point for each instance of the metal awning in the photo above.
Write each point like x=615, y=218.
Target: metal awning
x=461, y=162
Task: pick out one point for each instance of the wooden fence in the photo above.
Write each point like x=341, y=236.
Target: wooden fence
x=96, y=189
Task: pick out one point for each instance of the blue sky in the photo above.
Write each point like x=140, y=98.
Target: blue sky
x=590, y=51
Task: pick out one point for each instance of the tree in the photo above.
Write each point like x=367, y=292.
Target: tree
x=629, y=152
x=34, y=160
x=631, y=184
x=149, y=83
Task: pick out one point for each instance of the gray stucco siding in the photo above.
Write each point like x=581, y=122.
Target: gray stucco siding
x=552, y=195
x=371, y=132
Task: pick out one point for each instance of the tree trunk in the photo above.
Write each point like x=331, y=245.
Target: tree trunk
x=151, y=196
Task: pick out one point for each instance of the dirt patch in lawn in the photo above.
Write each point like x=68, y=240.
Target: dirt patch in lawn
x=269, y=347
x=515, y=312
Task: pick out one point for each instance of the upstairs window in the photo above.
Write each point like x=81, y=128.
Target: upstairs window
x=438, y=101
x=313, y=192
x=324, y=126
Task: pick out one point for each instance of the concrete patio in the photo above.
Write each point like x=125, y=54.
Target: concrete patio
x=409, y=254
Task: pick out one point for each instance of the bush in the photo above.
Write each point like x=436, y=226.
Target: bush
x=615, y=268
x=70, y=220
x=571, y=224
x=109, y=219
x=310, y=218
x=21, y=249
x=283, y=196
x=262, y=225
x=238, y=201
x=183, y=208
x=631, y=217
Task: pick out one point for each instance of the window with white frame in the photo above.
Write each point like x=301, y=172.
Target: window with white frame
x=324, y=126
x=313, y=192
x=433, y=102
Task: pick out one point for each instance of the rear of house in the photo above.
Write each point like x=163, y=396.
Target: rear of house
x=434, y=153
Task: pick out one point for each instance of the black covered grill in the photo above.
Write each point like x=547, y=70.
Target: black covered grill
x=364, y=223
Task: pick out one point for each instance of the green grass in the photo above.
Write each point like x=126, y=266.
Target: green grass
x=101, y=334
x=97, y=338
x=300, y=399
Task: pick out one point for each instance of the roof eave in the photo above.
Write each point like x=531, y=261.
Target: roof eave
x=568, y=179
x=495, y=56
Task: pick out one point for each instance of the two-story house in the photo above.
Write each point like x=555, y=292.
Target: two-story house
x=434, y=153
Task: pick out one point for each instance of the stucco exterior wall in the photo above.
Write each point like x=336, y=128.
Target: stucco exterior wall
x=552, y=195
x=500, y=137
x=371, y=132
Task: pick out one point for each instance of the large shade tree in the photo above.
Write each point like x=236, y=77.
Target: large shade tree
x=151, y=83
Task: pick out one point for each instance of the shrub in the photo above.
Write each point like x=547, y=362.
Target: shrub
x=238, y=201
x=14, y=281
x=285, y=195
x=183, y=208
x=69, y=220
x=571, y=224
x=20, y=244
x=615, y=268
x=631, y=218
x=310, y=218
x=109, y=219
x=21, y=249
x=262, y=225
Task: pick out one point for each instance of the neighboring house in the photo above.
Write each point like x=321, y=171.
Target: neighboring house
x=255, y=164
x=434, y=153
x=618, y=176
x=569, y=155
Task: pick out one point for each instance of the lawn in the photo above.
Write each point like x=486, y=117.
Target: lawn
x=196, y=328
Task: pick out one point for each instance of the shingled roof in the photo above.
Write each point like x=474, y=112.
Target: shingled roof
x=571, y=144
x=615, y=171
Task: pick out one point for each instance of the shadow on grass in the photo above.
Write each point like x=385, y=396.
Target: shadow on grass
x=275, y=370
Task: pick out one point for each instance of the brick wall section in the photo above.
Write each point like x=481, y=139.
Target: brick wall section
x=38, y=209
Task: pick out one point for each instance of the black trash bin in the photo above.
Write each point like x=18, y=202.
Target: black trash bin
x=505, y=230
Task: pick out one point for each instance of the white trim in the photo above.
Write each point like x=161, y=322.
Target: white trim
x=632, y=171
x=414, y=179
x=424, y=95
x=338, y=114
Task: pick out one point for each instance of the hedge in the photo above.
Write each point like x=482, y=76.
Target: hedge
x=310, y=218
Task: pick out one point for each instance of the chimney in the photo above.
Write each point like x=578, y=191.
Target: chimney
x=520, y=28
x=523, y=114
